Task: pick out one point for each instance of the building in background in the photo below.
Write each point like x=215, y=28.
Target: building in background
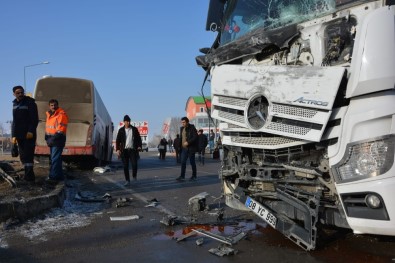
x=197, y=110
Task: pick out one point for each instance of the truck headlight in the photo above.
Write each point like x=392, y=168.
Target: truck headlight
x=366, y=159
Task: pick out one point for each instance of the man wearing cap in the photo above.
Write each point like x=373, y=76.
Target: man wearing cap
x=128, y=144
x=23, y=129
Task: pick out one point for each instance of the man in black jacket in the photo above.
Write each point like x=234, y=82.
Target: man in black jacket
x=128, y=144
x=24, y=129
x=202, y=138
x=189, y=141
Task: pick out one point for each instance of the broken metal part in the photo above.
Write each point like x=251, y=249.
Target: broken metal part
x=185, y=236
x=229, y=240
x=7, y=178
x=304, y=236
x=219, y=214
x=171, y=220
x=124, y=218
x=198, y=202
x=78, y=196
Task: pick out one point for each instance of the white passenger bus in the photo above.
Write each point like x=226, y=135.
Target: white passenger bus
x=89, y=132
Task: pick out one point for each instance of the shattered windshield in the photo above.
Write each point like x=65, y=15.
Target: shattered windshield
x=244, y=16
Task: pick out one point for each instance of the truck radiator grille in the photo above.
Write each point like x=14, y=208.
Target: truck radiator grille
x=292, y=126
x=261, y=140
x=272, y=141
x=288, y=120
x=231, y=116
x=294, y=111
x=232, y=101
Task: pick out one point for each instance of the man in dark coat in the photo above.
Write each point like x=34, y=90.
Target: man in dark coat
x=177, y=147
x=202, y=146
x=189, y=143
x=162, y=148
x=128, y=144
x=24, y=129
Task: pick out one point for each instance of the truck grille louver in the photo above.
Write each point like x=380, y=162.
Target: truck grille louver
x=285, y=120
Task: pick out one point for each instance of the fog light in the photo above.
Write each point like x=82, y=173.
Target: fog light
x=372, y=201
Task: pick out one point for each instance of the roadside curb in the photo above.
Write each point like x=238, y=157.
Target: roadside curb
x=27, y=208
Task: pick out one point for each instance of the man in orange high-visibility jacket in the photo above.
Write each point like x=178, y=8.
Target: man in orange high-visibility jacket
x=55, y=135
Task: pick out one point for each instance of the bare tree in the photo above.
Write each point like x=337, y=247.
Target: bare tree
x=175, y=125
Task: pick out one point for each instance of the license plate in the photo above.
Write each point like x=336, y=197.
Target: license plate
x=261, y=211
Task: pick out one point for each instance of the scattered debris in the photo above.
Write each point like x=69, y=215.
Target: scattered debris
x=102, y=170
x=123, y=201
x=152, y=204
x=170, y=220
x=198, y=202
x=107, y=196
x=78, y=196
x=229, y=240
x=7, y=178
x=199, y=241
x=124, y=218
x=223, y=250
x=219, y=213
x=185, y=236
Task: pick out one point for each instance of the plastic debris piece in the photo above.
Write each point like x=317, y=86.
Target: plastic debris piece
x=123, y=201
x=199, y=241
x=124, y=218
x=152, y=204
x=223, y=250
x=102, y=170
x=106, y=195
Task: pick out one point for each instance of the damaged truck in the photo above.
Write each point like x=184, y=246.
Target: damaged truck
x=304, y=93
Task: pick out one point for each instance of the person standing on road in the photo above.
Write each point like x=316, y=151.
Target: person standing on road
x=211, y=138
x=170, y=143
x=55, y=136
x=202, y=146
x=189, y=141
x=177, y=147
x=24, y=129
x=127, y=145
x=162, y=148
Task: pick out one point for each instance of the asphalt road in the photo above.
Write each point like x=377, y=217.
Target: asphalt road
x=91, y=231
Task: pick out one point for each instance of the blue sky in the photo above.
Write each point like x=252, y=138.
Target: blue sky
x=140, y=54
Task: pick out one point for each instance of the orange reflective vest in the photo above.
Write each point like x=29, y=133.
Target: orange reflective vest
x=56, y=122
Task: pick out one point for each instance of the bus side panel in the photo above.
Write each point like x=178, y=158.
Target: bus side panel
x=68, y=151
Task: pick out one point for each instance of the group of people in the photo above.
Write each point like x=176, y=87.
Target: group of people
x=128, y=140
x=186, y=144
x=24, y=134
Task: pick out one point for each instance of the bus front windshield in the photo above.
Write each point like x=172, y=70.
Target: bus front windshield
x=244, y=16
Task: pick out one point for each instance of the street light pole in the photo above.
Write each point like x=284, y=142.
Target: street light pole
x=24, y=72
